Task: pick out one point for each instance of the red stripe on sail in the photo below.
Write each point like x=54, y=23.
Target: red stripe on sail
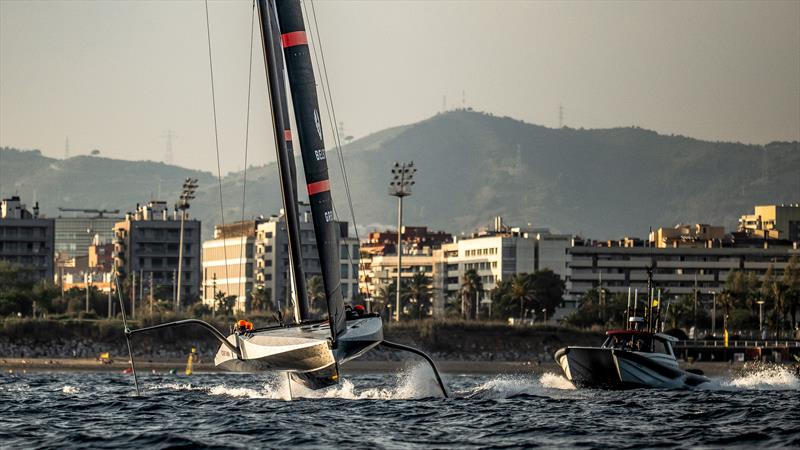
x=294, y=38
x=287, y=135
x=319, y=186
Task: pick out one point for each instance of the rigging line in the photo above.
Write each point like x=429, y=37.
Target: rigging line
x=242, y=240
x=327, y=95
x=216, y=144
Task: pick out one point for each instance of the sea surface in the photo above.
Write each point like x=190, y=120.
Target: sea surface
x=759, y=408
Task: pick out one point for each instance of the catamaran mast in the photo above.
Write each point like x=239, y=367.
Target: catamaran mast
x=312, y=147
x=286, y=168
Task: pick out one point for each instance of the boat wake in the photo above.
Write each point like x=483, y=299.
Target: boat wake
x=416, y=382
x=758, y=377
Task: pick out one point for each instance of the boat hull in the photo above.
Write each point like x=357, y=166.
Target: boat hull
x=606, y=368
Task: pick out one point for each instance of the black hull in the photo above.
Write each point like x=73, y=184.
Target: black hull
x=603, y=368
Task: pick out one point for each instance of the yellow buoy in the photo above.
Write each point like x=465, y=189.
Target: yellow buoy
x=190, y=361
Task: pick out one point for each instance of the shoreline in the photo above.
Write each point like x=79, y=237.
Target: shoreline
x=452, y=367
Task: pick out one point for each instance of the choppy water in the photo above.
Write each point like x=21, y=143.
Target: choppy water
x=758, y=409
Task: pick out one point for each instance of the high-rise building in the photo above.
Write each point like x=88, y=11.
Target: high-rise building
x=147, y=245
x=25, y=238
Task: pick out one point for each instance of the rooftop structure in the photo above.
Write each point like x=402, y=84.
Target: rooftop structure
x=697, y=235
x=773, y=222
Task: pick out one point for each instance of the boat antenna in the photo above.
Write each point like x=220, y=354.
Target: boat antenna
x=628, y=308
x=127, y=332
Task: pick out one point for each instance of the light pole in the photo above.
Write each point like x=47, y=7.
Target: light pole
x=713, y=313
x=189, y=187
x=89, y=232
x=400, y=186
x=760, y=315
x=544, y=310
x=87, y=290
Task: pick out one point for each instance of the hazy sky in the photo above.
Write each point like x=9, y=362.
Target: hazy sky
x=114, y=75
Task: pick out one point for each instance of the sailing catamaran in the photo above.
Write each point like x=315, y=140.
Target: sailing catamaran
x=310, y=351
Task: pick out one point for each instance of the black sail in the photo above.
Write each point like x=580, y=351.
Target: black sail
x=312, y=148
x=286, y=170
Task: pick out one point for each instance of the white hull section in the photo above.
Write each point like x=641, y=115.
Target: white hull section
x=304, y=348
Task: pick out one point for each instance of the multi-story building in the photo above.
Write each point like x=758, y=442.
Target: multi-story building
x=256, y=254
x=26, y=238
x=228, y=262
x=495, y=254
x=147, y=244
x=675, y=270
x=75, y=234
x=773, y=221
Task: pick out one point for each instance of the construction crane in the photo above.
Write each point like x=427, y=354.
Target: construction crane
x=99, y=212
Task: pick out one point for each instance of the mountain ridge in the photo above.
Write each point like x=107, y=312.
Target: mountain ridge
x=602, y=183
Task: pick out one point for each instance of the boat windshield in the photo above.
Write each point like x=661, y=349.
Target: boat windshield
x=629, y=341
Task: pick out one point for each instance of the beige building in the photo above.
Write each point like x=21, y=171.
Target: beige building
x=773, y=221
x=228, y=262
x=26, y=238
x=494, y=254
x=255, y=254
x=694, y=236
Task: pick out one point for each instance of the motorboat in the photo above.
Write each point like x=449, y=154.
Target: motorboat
x=636, y=357
x=627, y=359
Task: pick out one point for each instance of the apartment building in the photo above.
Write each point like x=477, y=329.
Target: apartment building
x=147, y=244
x=228, y=262
x=495, y=254
x=26, y=238
x=255, y=254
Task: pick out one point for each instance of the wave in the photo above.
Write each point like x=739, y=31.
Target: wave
x=70, y=389
x=416, y=382
x=763, y=377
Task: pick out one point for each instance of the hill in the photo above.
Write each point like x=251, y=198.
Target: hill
x=602, y=183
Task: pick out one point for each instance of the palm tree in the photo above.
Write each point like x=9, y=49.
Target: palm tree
x=384, y=296
x=471, y=288
x=315, y=290
x=791, y=279
x=499, y=296
x=521, y=291
x=260, y=297
x=419, y=292
x=727, y=301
